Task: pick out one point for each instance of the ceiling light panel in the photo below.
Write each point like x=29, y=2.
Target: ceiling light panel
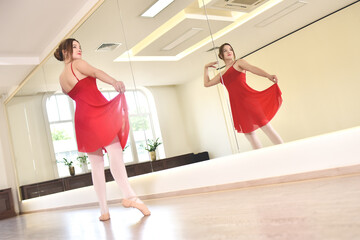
x=287, y=10
x=156, y=47
x=156, y=8
x=182, y=38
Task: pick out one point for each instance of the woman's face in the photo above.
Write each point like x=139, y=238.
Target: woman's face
x=228, y=53
x=76, y=50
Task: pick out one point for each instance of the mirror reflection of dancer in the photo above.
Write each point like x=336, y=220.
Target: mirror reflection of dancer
x=250, y=109
x=99, y=123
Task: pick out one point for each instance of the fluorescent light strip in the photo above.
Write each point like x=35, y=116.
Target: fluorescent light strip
x=156, y=8
x=125, y=58
x=182, y=38
x=212, y=17
x=281, y=13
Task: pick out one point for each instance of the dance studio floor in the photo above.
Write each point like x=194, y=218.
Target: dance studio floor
x=327, y=208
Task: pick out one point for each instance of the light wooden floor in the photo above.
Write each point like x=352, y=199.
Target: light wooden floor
x=317, y=209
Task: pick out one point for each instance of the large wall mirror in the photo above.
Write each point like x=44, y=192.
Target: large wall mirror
x=161, y=61
x=115, y=38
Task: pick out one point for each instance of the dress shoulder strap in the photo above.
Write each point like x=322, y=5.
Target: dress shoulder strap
x=73, y=72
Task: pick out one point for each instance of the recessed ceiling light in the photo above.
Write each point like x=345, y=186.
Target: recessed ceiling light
x=292, y=7
x=156, y=8
x=182, y=38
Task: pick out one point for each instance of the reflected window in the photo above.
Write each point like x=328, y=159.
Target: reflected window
x=141, y=125
x=60, y=111
x=60, y=116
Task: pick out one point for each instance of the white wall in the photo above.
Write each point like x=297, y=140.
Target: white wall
x=3, y=158
x=204, y=119
x=318, y=70
x=171, y=120
x=7, y=171
x=191, y=119
x=30, y=140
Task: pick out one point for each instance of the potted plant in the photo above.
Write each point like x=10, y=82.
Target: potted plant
x=151, y=146
x=70, y=165
x=83, y=162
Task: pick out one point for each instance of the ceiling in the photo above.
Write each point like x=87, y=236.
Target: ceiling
x=30, y=30
x=26, y=44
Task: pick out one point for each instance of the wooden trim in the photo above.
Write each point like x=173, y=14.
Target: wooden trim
x=7, y=209
x=83, y=180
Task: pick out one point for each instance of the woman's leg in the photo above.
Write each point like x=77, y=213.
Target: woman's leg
x=98, y=178
x=272, y=134
x=253, y=139
x=118, y=170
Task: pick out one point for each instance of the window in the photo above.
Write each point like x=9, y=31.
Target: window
x=60, y=112
x=141, y=125
x=60, y=116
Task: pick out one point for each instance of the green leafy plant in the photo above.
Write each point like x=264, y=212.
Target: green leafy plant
x=66, y=162
x=151, y=145
x=139, y=123
x=82, y=160
x=59, y=135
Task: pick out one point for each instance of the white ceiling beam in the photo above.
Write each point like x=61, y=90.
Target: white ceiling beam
x=19, y=60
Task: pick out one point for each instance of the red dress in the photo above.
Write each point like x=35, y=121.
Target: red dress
x=97, y=120
x=251, y=109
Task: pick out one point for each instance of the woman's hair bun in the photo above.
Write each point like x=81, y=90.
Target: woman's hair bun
x=58, y=54
x=65, y=45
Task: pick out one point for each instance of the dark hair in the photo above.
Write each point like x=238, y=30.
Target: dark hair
x=66, y=45
x=221, y=49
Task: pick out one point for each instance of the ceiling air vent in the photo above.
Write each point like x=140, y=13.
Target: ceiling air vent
x=107, y=47
x=235, y=5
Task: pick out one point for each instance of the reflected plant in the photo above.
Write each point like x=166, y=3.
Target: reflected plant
x=59, y=135
x=151, y=145
x=82, y=160
x=66, y=162
x=139, y=123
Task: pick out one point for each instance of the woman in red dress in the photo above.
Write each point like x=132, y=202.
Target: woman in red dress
x=250, y=109
x=99, y=123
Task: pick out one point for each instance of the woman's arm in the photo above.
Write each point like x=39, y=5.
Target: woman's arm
x=88, y=70
x=255, y=70
x=207, y=81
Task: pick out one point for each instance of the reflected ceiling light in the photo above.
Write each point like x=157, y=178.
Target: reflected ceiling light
x=182, y=38
x=281, y=13
x=214, y=17
x=128, y=56
x=156, y=8
x=203, y=3
x=243, y=18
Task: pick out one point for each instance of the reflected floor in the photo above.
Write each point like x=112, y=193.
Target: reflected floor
x=317, y=209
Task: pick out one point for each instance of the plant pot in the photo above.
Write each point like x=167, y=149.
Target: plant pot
x=72, y=170
x=153, y=156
